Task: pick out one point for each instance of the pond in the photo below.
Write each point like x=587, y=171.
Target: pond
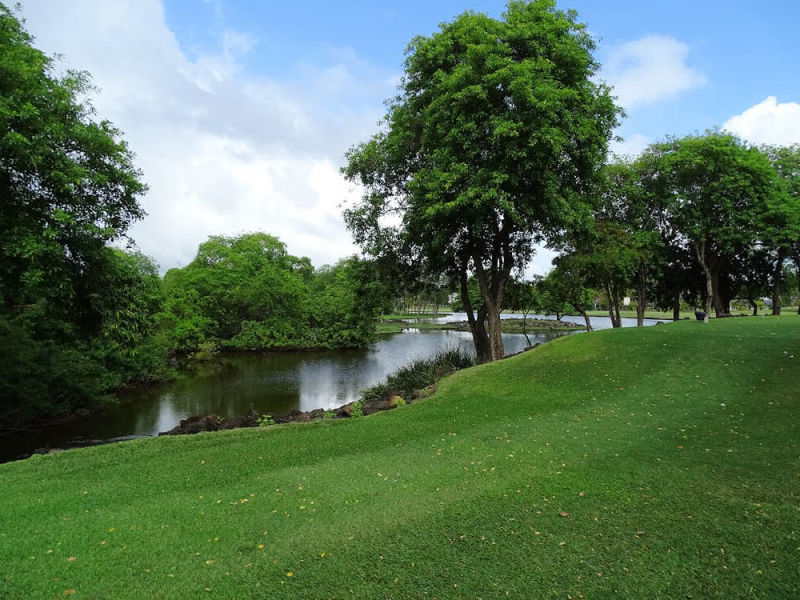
x=275, y=382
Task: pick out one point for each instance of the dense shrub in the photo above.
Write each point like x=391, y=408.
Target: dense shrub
x=419, y=374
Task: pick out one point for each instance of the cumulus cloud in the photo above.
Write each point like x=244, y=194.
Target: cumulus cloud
x=650, y=70
x=631, y=145
x=768, y=122
x=223, y=151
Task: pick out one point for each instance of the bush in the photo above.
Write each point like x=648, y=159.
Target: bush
x=418, y=375
x=43, y=379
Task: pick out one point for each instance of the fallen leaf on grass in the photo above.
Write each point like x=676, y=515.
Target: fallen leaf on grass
x=563, y=514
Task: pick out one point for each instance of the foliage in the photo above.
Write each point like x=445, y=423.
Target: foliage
x=717, y=193
x=68, y=186
x=266, y=420
x=418, y=375
x=50, y=371
x=523, y=296
x=248, y=293
x=76, y=316
x=346, y=302
x=44, y=379
x=567, y=285
x=494, y=140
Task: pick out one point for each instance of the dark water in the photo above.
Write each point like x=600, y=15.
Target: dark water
x=277, y=382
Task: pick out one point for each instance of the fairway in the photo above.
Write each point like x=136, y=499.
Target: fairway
x=658, y=462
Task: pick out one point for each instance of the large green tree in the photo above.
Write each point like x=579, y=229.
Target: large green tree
x=68, y=185
x=75, y=314
x=717, y=193
x=493, y=142
x=783, y=220
x=247, y=292
x=244, y=291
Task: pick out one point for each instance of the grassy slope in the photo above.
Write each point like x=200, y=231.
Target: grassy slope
x=686, y=432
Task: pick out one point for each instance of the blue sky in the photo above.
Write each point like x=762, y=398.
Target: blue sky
x=744, y=50
x=240, y=110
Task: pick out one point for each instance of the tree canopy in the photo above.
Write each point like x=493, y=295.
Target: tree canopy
x=67, y=182
x=718, y=194
x=493, y=141
x=247, y=292
x=75, y=314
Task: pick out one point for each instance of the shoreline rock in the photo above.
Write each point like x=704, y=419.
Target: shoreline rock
x=201, y=423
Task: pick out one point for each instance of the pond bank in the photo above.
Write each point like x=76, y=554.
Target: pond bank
x=508, y=325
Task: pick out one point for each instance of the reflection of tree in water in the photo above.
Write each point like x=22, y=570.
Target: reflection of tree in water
x=277, y=382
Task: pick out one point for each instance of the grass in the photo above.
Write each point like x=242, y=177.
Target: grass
x=667, y=314
x=672, y=451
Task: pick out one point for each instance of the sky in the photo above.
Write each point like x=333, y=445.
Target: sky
x=240, y=111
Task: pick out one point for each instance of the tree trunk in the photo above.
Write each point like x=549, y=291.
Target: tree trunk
x=610, y=306
x=613, y=306
x=719, y=306
x=641, y=299
x=586, y=319
x=492, y=293
x=676, y=306
x=754, y=305
x=477, y=326
x=495, y=331
x=700, y=248
x=776, y=284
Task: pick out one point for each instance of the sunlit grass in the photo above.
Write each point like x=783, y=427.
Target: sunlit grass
x=651, y=463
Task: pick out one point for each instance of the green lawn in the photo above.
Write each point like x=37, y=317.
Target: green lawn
x=652, y=463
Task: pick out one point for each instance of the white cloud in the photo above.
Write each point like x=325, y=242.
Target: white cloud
x=223, y=151
x=631, y=145
x=541, y=263
x=768, y=122
x=650, y=70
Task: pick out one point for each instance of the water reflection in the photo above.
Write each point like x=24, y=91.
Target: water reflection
x=598, y=323
x=277, y=382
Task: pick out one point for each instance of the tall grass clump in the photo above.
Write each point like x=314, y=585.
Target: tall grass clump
x=418, y=375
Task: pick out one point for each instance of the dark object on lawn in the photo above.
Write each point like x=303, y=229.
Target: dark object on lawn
x=700, y=315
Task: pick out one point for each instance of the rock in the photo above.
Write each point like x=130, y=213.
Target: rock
x=303, y=417
x=346, y=410
x=317, y=413
x=376, y=406
x=196, y=425
x=251, y=418
x=396, y=401
x=235, y=422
